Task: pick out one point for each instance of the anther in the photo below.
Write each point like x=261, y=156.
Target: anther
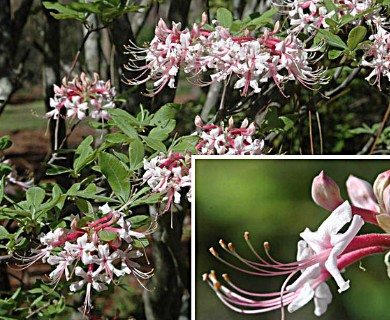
x=226, y=277
x=213, y=252
x=222, y=244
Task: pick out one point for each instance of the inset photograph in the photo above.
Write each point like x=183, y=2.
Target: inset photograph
x=291, y=239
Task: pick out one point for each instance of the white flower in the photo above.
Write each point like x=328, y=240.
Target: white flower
x=330, y=243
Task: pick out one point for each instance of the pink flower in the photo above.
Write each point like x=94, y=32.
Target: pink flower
x=81, y=96
x=230, y=140
x=168, y=175
x=248, y=61
x=321, y=255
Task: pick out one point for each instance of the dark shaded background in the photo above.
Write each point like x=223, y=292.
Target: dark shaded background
x=272, y=200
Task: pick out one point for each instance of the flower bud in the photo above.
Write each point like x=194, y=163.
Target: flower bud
x=361, y=194
x=244, y=124
x=386, y=200
x=231, y=123
x=198, y=122
x=380, y=184
x=325, y=192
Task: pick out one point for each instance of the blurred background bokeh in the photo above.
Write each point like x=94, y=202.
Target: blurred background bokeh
x=272, y=200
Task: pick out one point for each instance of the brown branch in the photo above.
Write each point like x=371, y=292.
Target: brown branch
x=385, y=117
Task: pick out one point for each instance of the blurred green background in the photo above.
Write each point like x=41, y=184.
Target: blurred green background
x=272, y=200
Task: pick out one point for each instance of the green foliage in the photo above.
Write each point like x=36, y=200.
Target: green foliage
x=225, y=17
x=109, y=173
x=105, y=10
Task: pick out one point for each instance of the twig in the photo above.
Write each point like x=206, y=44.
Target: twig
x=345, y=83
x=5, y=257
x=311, y=134
x=220, y=113
x=76, y=58
x=37, y=310
x=386, y=116
x=211, y=100
x=320, y=132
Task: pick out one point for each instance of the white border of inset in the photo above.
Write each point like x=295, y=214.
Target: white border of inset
x=261, y=157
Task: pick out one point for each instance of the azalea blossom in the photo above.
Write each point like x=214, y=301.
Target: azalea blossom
x=167, y=175
x=246, y=60
x=231, y=141
x=81, y=97
x=98, y=260
x=321, y=255
x=377, y=55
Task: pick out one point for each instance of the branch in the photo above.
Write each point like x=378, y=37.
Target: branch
x=345, y=83
x=20, y=19
x=385, y=117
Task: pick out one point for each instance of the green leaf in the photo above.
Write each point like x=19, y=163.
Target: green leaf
x=166, y=112
x=5, y=143
x=107, y=235
x=2, y=189
x=265, y=18
x=35, y=196
x=140, y=243
x=186, y=143
x=117, y=137
x=21, y=244
x=84, y=7
x=356, y=36
x=225, y=17
x=148, y=199
x=332, y=39
x=57, y=170
x=136, y=154
x=331, y=22
x=288, y=123
x=84, y=154
x=139, y=221
x=330, y=6
x=64, y=12
x=118, y=176
x=158, y=134
x=345, y=19
x=4, y=234
x=154, y=144
x=125, y=122
x=334, y=54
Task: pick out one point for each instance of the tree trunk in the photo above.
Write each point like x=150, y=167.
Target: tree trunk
x=171, y=277
x=11, y=63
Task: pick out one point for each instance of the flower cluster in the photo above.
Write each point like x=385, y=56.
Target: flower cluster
x=167, y=175
x=307, y=15
x=377, y=55
x=98, y=253
x=230, y=141
x=321, y=254
x=81, y=97
x=197, y=51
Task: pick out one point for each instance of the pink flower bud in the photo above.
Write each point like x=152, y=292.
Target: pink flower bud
x=251, y=129
x=380, y=184
x=244, y=124
x=386, y=200
x=361, y=194
x=231, y=123
x=325, y=192
x=198, y=122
